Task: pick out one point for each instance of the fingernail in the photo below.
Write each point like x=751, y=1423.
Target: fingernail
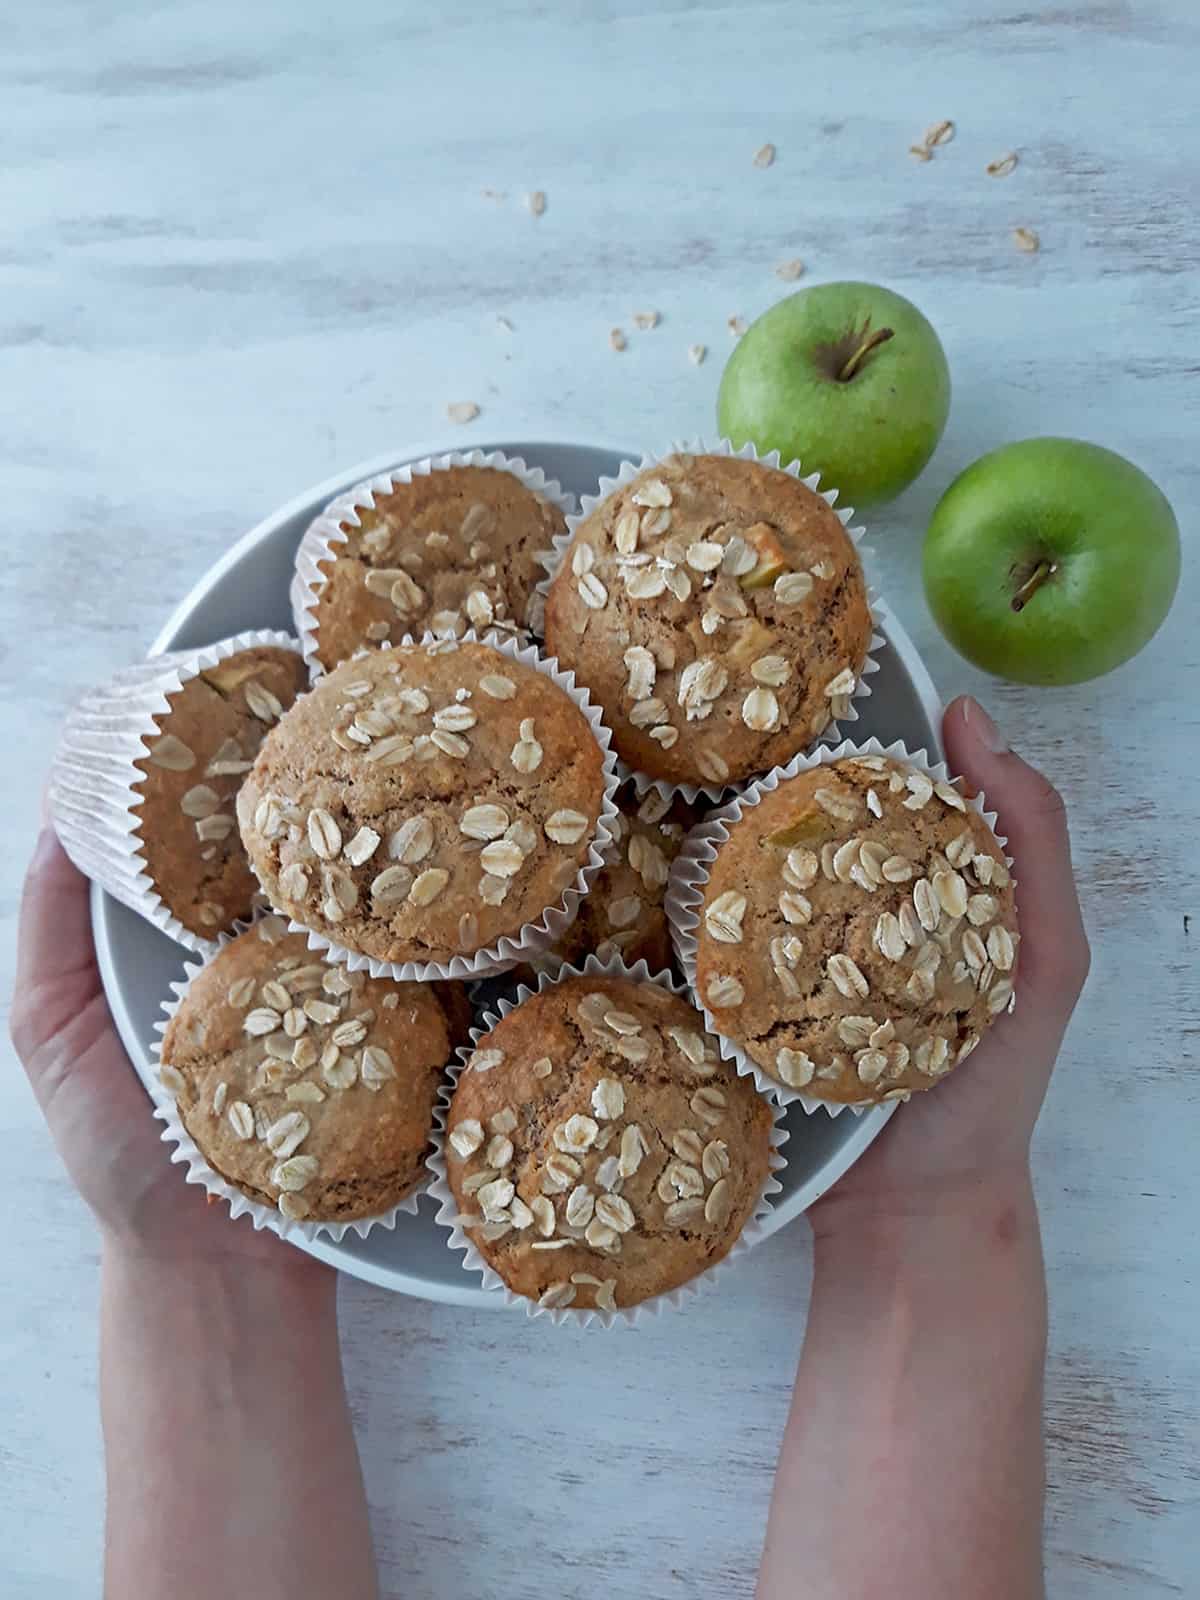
x=989, y=734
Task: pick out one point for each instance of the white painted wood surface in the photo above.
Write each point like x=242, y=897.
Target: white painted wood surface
x=243, y=245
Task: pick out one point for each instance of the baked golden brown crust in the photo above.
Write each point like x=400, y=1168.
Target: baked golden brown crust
x=716, y=611
x=600, y=1148
x=858, y=931
x=207, y=742
x=306, y=1086
x=453, y=550
x=623, y=914
x=424, y=802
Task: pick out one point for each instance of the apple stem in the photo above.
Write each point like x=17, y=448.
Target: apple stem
x=1035, y=580
x=872, y=342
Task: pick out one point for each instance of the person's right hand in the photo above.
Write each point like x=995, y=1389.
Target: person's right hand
x=976, y=1126
x=98, y=1112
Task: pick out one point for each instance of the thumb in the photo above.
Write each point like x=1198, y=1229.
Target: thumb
x=59, y=1019
x=90, y=1096
x=54, y=944
x=1031, y=813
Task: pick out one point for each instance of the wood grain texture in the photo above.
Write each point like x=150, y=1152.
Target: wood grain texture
x=245, y=245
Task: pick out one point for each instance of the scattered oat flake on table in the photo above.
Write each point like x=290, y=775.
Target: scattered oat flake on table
x=504, y=324
x=697, y=353
x=536, y=201
x=645, y=320
x=1026, y=239
x=940, y=133
x=462, y=411
x=764, y=156
x=616, y=338
x=1001, y=167
x=736, y=325
x=789, y=271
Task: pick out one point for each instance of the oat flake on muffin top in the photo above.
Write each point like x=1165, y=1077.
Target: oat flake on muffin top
x=858, y=930
x=716, y=610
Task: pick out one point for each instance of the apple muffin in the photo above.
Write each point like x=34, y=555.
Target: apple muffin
x=623, y=914
x=188, y=782
x=599, y=1150
x=715, y=608
x=308, y=1087
x=424, y=802
x=857, y=932
x=449, y=550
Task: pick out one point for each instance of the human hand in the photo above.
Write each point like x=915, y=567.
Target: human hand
x=974, y=1130
x=210, y=1332
x=97, y=1110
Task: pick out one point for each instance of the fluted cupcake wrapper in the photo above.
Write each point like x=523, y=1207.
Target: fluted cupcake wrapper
x=185, y=1151
x=458, y=1235
x=629, y=470
x=545, y=930
x=690, y=872
x=92, y=795
x=324, y=533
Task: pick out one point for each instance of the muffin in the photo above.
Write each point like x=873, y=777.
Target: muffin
x=145, y=774
x=206, y=743
x=598, y=1150
x=425, y=802
x=307, y=1087
x=623, y=914
x=454, y=549
x=857, y=932
x=715, y=608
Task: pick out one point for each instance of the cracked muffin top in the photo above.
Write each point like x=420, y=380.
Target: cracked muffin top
x=423, y=802
x=716, y=610
x=858, y=931
x=207, y=741
x=453, y=549
x=307, y=1087
x=598, y=1148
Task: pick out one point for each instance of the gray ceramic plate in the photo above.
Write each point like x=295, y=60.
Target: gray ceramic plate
x=248, y=588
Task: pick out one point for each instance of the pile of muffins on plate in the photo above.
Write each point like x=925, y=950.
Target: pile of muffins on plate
x=590, y=759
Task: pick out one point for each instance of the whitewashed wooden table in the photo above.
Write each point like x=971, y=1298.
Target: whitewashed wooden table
x=245, y=245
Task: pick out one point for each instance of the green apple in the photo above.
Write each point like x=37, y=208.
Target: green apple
x=1051, y=561
x=847, y=378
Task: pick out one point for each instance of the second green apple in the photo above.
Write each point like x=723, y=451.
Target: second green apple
x=1051, y=561
x=850, y=379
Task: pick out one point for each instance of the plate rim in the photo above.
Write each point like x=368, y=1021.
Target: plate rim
x=869, y=1124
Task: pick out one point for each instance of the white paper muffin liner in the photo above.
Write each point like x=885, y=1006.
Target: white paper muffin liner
x=92, y=795
x=747, y=452
x=547, y=929
x=459, y=1238
x=185, y=1151
x=324, y=534
x=691, y=867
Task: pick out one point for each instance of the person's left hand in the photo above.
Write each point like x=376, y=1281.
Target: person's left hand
x=97, y=1110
